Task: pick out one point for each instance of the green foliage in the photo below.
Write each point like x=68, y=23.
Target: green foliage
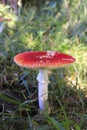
x=56, y=30
x=56, y=124
x=64, y=125
x=9, y=99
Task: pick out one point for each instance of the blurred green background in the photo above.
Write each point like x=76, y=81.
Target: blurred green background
x=56, y=25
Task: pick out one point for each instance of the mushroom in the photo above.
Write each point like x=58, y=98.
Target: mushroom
x=43, y=61
x=2, y=26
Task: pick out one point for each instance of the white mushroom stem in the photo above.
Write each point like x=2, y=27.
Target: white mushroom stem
x=43, y=88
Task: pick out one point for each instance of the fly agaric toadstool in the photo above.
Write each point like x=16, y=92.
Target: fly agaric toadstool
x=2, y=20
x=43, y=61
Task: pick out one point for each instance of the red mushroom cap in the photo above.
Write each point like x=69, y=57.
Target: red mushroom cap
x=43, y=59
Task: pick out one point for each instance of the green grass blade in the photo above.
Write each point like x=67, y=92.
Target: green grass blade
x=56, y=124
x=9, y=99
x=77, y=127
x=68, y=123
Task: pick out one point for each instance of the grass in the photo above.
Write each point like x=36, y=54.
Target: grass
x=68, y=87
